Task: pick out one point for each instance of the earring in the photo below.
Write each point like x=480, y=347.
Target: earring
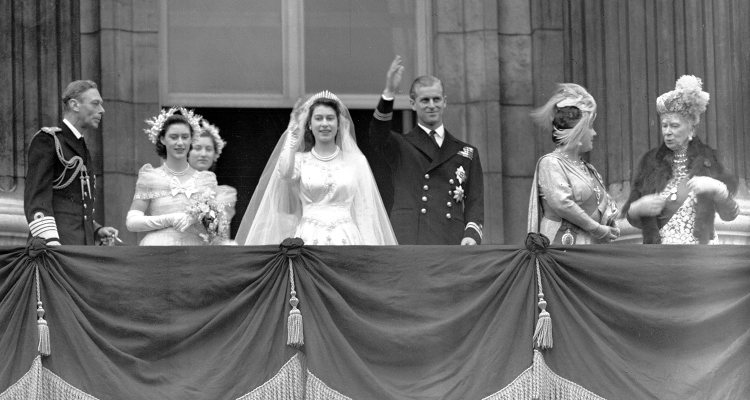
x=690, y=139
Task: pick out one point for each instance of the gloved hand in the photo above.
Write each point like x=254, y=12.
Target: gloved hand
x=136, y=221
x=706, y=184
x=605, y=233
x=295, y=131
x=649, y=205
x=183, y=221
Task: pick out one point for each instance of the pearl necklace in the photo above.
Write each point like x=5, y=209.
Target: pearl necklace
x=176, y=173
x=679, y=173
x=578, y=163
x=325, y=158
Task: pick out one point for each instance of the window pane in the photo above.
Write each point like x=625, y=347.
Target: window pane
x=225, y=46
x=349, y=44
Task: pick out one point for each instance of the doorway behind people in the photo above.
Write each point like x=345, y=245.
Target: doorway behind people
x=251, y=135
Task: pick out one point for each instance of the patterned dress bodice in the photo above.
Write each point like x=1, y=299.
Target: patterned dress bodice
x=327, y=192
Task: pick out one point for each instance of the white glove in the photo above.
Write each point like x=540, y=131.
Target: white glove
x=649, y=205
x=295, y=131
x=706, y=184
x=136, y=221
x=183, y=221
x=468, y=241
x=605, y=233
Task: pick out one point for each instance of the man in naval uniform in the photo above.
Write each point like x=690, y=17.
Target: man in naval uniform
x=60, y=185
x=438, y=192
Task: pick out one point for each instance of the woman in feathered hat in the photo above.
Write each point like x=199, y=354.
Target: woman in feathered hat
x=681, y=185
x=569, y=202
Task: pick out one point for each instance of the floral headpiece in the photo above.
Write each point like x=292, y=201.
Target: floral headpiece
x=157, y=122
x=687, y=99
x=212, y=130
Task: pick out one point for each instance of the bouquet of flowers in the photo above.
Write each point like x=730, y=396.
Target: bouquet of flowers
x=205, y=209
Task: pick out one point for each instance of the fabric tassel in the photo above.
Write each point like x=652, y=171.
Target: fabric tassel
x=44, y=345
x=295, y=333
x=543, y=330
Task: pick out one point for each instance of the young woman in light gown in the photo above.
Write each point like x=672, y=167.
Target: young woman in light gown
x=205, y=151
x=317, y=185
x=163, y=194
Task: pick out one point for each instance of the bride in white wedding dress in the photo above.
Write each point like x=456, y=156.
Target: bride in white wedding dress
x=317, y=185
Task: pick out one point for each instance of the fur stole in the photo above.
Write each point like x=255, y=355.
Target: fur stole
x=655, y=170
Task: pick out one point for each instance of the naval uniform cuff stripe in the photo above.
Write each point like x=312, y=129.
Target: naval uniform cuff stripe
x=43, y=224
x=383, y=116
x=476, y=227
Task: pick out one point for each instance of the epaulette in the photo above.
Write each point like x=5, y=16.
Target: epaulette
x=51, y=130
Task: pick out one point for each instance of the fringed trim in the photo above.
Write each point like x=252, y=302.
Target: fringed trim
x=39, y=383
x=521, y=387
x=285, y=385
x=295, y=332
x=551, y=386
x=543, y=331
x=539, y=382
x=43, y=348
x=315, y=389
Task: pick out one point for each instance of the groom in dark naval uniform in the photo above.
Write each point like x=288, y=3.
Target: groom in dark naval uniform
x=60, y=185
x=438, y=192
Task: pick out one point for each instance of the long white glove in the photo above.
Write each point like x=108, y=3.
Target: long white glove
x=649, y=205
x=136, y=221
x=605, y=232
x=706, y=184
x=294, y=134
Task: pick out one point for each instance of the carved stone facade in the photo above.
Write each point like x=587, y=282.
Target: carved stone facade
x=498, y=59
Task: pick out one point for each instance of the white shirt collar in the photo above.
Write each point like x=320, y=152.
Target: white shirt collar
x=73, y=129
x=439, y=133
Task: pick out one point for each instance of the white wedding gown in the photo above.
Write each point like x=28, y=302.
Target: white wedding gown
x=327, y=191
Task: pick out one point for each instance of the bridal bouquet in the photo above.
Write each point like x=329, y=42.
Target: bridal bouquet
x=210, y=213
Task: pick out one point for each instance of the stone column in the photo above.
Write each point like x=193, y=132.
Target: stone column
x=39, y=56
x=466, y=60
x=531, y=49
x=127, y=41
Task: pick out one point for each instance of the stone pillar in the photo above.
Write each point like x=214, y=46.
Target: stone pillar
x=127, y=41
x=39, y=56
x=516, y=100
x=466, y=60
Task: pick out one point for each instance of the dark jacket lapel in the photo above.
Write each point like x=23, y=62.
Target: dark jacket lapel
x=451, y=146
x=419, y=139
x=68, y=137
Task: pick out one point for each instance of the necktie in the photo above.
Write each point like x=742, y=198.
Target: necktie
x=434, y=140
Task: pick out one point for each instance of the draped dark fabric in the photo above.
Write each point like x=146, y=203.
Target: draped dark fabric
x=402, y=322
